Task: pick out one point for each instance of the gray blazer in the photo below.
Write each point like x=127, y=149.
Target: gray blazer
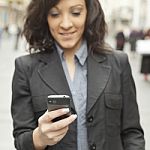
x=112, y=111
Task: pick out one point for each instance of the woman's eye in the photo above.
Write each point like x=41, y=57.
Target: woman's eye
x=76, y=13
x=54, y=14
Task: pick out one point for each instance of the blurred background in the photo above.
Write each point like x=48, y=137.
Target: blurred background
x=128, y=30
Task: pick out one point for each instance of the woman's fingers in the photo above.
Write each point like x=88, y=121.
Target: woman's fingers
x=62, y=123
x=49, y=116
x=52, y=132
x=46, y=125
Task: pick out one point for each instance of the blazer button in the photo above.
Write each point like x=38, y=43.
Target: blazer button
x=90, y=119
x=93, y=147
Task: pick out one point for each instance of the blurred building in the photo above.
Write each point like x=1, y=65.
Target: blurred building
x=119, y=13
x=126, y=13
x=12, y=12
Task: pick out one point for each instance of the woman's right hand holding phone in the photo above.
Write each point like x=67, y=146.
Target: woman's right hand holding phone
x=49, y=132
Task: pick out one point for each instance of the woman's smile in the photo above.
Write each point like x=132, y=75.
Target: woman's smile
x=68, y=35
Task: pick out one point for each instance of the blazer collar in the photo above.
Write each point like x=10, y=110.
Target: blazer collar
x=51, y=72
x=98, y=75
x=98, y=72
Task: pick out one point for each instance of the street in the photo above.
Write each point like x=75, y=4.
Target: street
x=7, y=56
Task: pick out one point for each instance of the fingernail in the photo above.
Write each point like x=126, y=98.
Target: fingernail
x=74, y=116
x=66, y=110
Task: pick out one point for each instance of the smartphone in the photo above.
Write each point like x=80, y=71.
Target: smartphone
x=55, y=102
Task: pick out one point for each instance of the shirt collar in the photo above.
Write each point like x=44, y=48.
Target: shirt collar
x=60, y=51
x=81, y=54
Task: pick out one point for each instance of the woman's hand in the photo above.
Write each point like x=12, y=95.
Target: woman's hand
x=49, y=132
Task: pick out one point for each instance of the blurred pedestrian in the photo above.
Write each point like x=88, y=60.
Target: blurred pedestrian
x=133, y=37
x=18, y=35
x=68, y=56
x=120, y=40
x=145, y=64
x=6, y=31
x=1, y=32
x=141, y=34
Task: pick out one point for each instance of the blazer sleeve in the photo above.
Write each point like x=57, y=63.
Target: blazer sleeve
x=132, y=133
x=21, y=108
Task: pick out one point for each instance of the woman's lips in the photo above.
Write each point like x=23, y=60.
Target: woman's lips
x=68, y=34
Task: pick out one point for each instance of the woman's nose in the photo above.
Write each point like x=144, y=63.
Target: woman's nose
x=66, y=23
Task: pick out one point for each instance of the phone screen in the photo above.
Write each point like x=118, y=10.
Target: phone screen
x=55, y=102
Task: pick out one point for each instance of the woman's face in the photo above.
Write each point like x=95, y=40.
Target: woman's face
x=66, y=23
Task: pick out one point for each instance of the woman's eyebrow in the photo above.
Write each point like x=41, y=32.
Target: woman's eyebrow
x=80, y=6
x=55, y=7
x=77, y=6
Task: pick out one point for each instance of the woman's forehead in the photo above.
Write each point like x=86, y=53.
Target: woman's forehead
x=70, y=2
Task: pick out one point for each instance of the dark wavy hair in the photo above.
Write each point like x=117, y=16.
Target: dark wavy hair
x=38, y=36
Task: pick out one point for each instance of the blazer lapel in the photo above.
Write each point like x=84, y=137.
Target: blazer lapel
x=53, y=75
x=98, y=75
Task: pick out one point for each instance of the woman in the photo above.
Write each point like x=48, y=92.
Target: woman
x=68, y=56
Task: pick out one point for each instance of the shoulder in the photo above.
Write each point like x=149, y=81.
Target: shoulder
x=30, y=60
x=27, y=63
x=111, y=57
x=120, y=56
x=117, y=59
x=27, y=59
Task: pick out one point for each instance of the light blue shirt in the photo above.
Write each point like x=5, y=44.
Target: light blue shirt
x=78, y=88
